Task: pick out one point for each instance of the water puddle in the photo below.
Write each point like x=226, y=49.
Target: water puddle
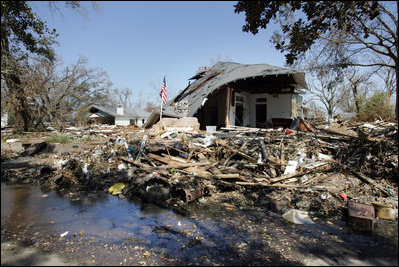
x=115, y=231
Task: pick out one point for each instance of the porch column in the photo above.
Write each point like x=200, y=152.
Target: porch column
x=228, y=101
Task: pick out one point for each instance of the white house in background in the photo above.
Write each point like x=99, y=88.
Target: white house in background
x=117, y=116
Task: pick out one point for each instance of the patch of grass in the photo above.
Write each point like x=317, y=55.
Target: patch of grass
x=58, y=138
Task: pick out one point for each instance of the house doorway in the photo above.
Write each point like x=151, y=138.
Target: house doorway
x=261, y=112
x=239, y=112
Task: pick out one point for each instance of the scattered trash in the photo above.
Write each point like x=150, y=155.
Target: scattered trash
x=64, y=234
x=164, y=164
x=207, y=141
x=122, y=166
x=12, y=140
x=291, y=167
x=116, y=188
x=210, y=129
x=325, y=195
x=361, y=216
x=324, y=157
x=382, y=211
x=298, y=217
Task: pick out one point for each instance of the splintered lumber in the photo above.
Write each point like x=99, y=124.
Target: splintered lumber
x=198, y=171
x=226, y=175
x=218, y=176
x=178, y=159
x=325, y=167
x=159, y=158
x=242, y=154
x=168, y=166
x=263, y=147
x=134, y=162
x=281, y=185
x=182, y=165
x=212, y=165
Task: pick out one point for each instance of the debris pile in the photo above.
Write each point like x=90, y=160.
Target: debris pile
x=304, y=167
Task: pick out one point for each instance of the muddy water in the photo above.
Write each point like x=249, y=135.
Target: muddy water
x=112, y=231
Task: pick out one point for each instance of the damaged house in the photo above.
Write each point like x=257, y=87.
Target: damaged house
x=118, y=116
x=255, y=95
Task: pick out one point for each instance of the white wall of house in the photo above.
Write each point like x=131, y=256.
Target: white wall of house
x=122, y=121
x=140, y=121
x=279, y=106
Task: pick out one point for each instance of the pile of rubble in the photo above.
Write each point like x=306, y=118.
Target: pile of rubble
x=306, y=167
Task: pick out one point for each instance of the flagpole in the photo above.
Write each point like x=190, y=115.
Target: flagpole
x=160, y=114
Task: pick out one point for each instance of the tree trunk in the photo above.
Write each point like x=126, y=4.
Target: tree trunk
x=22, y=111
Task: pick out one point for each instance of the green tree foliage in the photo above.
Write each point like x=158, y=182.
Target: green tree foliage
x=337, y=34
x=362, y=25
x=31, y=86
x=22, y=31
x=375, y=108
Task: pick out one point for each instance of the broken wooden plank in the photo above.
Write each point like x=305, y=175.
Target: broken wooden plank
x=242, y=154
x=263, y=148
x=182, y=165
x=197, y=171
x=174, y=158
x=159, y=158
x=325, y=167
x=368, y=180
x=212, y=165
x=315, y=187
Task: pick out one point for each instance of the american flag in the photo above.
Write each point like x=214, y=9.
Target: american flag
x=163, y=94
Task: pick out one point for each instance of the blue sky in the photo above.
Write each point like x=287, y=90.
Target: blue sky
x=137, y=42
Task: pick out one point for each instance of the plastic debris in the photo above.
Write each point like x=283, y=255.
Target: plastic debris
x=298, y=217
x=291, y=167
x=64, y=234
x=116, y=188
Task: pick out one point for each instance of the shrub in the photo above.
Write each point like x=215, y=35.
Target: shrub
x=375, y=108
x=58, y=138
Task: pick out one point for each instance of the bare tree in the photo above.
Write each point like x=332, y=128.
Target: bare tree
x=124, y=97
x=326, y=87
x=54, y=96
x=357, y=80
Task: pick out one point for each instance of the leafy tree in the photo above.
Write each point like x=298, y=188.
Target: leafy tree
x=54, y=96
x=21, y=33
x=340, y=33
x=375, y=108
x=24, y=38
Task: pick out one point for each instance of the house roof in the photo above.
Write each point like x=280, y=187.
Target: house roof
x=219, y=75
x=224, y=73
x=140, y=112
x=137, y=112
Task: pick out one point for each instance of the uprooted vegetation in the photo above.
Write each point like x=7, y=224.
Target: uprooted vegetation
x=305, y=168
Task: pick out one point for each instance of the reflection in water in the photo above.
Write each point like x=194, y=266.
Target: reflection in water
x=207, y=233
x=18, y=206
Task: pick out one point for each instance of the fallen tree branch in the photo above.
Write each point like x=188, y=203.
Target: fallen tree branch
x=368, y=180
x=326, y=167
